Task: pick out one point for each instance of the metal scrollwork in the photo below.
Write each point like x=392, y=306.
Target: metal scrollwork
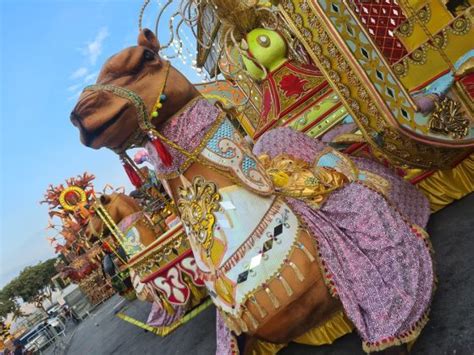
x=197, y=204
x=448, y=119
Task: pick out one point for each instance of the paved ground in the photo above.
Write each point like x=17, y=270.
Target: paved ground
x=450, y=331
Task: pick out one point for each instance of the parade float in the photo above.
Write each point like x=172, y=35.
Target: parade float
x=385, y=79
x=80, y=259
x=110, y=242
x=291, y=245
x=156, y=252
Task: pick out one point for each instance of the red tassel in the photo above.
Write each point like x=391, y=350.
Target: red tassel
x=163, y=153
x=135, y=179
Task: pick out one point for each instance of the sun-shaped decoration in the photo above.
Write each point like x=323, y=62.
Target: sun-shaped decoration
x=71, y=197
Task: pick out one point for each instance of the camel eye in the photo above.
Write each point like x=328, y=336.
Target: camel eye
x=148, y=55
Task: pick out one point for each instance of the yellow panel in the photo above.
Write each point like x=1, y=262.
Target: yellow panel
x=446, y=186
x=418, y=74
x=415, y=4
x=438, y=18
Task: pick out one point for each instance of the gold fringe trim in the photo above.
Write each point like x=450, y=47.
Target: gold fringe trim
x=250, y=316
x=242, y=324
x=272, y=297
x=231, y=324
x=265, y=348
x=260, y=309
x=297, y=271
x=306, y=251
x=446, y=186
x=257, y=234
x=334, y=328
x=406, y=337
x=327, y=276
x=285, y=285
x=264, y=287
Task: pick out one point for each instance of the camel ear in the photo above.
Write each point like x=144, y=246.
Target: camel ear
x=104, y=199
x=147, y=38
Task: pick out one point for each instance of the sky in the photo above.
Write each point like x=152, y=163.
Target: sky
x=50, y=50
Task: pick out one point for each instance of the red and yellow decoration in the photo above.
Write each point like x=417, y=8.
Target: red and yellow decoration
x=71, y=197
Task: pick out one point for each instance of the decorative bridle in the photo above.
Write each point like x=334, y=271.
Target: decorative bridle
x=146, y=130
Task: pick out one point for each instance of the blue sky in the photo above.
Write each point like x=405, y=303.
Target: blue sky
x=50, y=50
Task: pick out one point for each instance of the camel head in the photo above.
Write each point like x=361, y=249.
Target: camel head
x=107, y=119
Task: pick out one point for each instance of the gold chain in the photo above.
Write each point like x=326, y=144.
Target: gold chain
x=195, y=157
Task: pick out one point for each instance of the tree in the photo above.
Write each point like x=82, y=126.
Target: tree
x=6, y=304
x=32, y=285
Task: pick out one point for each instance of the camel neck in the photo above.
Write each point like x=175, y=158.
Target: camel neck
x=187, y=128
x=176, y=116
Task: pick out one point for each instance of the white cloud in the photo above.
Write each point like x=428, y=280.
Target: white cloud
x=79, y=73
x=91, y=52
x=88, y=79
x=94, y=49
x=74, y=87
x=75, y=95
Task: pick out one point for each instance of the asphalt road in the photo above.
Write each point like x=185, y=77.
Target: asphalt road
x=450, y=330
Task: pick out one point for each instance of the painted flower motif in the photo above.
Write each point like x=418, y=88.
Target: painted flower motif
x=292, y=85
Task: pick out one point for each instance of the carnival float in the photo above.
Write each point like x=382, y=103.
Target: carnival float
x=291, y=173
x=156, y=253
x=110, y=242
x=79, y=258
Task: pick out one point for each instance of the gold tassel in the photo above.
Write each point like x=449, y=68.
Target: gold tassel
x=285, y=284
x=252, y=319
x=194, y=291
x=167, y=306
x=242, y=325
x=272, y=297
x=306, y=251
x=260, y=309
x=186, y=183
x=297, y=271
x=154, y=294
x=160, y=299
x=231, y=324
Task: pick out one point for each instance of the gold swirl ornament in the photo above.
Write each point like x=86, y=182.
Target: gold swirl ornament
x=197, y=204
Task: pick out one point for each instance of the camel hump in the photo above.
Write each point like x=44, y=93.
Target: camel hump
x=284, y=140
